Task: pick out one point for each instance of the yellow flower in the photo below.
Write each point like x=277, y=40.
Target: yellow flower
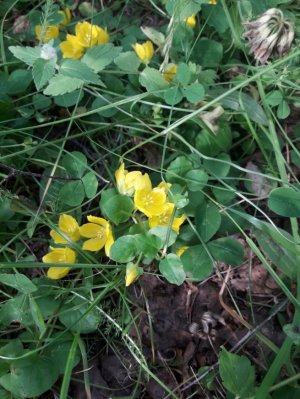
x=170, y=72
x=213, y=2
x=144, y=51
x=59, y=255
x=191, y=21
x=99, y=232
x=132, y=272
x=69, y=227
x=103, y=36
x=181, y=250
x=164, y=218
x=67, y=16
x=150, y=202
x=48, y=32
x=90, y=35
x=71, y=48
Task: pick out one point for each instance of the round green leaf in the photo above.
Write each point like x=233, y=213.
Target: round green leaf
x=177, y=169
x=196, y=179
x=163, y=233
x=197, y=263
x=285, y=201
x=90, y=184
x=76, y=316
x=227, y=250
x=173, y=95
x=183, y=74
x=31, y=376
x=123, y=249
x=194, y=92
x=172, y=269
x=75, y=163
x=208, y=220
x=72, y=193
x=217, y=167
x=283, y=110
x=118, y=208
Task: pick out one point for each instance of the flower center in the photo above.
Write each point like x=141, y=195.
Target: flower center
x=148, y=200
x=100, y=233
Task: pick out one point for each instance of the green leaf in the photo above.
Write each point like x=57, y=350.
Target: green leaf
x=283, y=110
x=30, y=376
x=285, y=201
x=37, y=315
x=98, y=57
x=183, y=74
x=208, y=220
x=75, y=163
x=215, y=16
x=72, y=193
x=227, y=250
x=69, y=99
x=148, y=244
x=77, y=316
x=164, y=233
x=196, y=199
x=208, y=53
x=26, y=54
x=42, y=71
x=210, y=144
x=173, y=95
x=90, y=184
x=197, y=263
x=217, y=167
x=237, y=374
x=128, y=61
x=118, y=208
x=178, y=169
x=274, y=98
x=124, y=249
x=60, y=84
x=101, y=102
x=182, y=9
x=41, y=102
x=172, y=269
x=152, y=80
x=284, y=259
x=244, y=103
x=78, y=70
x=18, y=81
x=194, y=92
x=196, y=179
x=58, y=351
x=18, y=281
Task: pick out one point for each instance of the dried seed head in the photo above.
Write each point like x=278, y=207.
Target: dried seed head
x=269, y=32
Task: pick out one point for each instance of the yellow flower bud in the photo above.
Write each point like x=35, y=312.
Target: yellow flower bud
x=191, y=21
x=170, y=72
x=144, y=51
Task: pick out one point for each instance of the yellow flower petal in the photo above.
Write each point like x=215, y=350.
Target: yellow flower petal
x=55, y=273
x=96, y=220
x=151, y=203
x=143, y=182
x=86, y=34
x=213, y=2
x=69, y=226
x=57, y=238
x=91, y=230
x=132, y=272
x=181, y=250
x=165, y=186
x=71, y=48
x=164, y=218
x=144, y=51
x=191, y=21
x=48, y=32
x=103, y=36
x=110, y=239
x=94, y=244
x=60, y=255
